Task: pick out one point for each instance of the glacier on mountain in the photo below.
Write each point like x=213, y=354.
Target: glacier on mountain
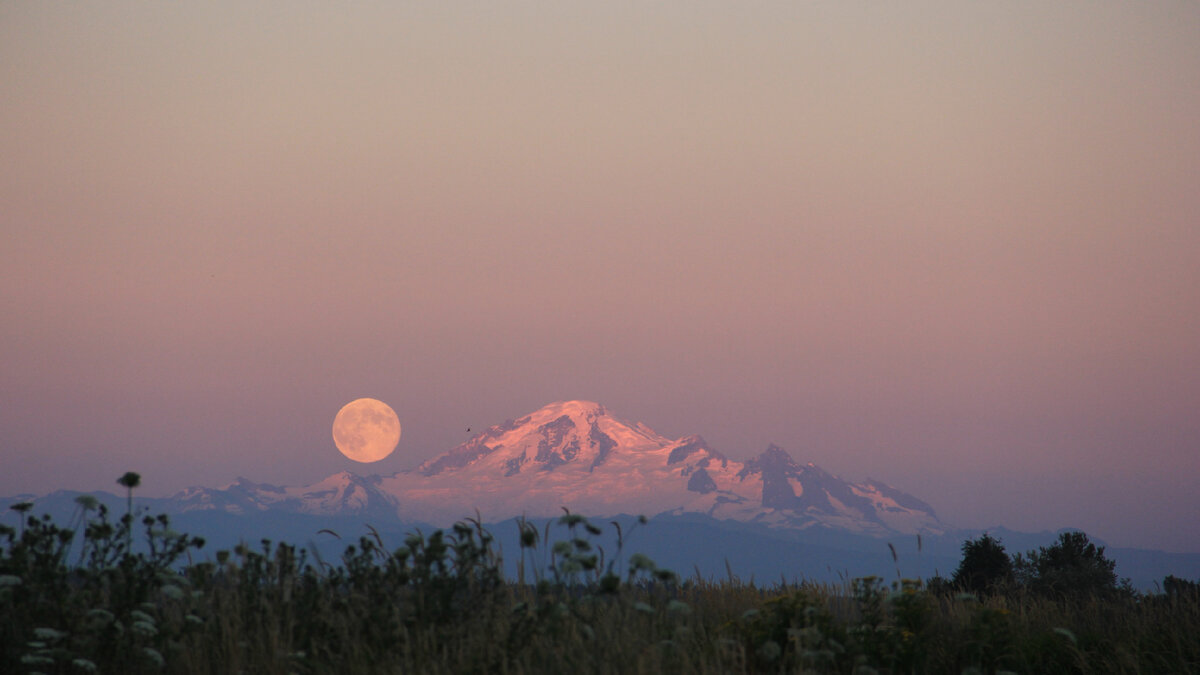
x=578, y=455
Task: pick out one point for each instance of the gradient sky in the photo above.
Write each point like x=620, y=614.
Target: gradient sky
x=951, y=246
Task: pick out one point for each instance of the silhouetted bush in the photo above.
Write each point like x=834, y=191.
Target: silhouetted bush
x=985, y=566
x=1072, y=567
x=1181, y=589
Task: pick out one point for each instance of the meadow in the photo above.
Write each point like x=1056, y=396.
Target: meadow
x=130, y=595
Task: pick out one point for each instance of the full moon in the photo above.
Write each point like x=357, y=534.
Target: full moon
x=366, y=430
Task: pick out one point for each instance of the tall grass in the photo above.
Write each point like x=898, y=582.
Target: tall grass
x=88, y=598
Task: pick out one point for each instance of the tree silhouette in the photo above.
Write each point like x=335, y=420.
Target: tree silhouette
x=985, y=566
x=1071, y=567
x=1182, y=589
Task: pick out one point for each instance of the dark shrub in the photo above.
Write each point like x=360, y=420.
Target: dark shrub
x=984, y=567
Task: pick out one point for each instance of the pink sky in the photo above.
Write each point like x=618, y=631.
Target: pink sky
x=951, y=246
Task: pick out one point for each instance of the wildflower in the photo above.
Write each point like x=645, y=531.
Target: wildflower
x=1067, y=634
x=165, y=534
x=679, y=607
x=571, y=519
x=637, y=561
x=529, y=537
x=154, y=656
x=99, y=617
x=173, y=578
x=144, y=629
x=85, y=665
x=48, y=634
x=770, y=650
x=643, y=607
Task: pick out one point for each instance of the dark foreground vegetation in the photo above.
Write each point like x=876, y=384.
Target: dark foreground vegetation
x=129, y=596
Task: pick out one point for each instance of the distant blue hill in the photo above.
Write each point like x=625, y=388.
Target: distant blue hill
x=688, y=544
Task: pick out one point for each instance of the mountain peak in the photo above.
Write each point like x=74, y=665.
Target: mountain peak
x=574, y=433
x=689, y=445
x=774, y=458
x=576, y=453
x=574, y=408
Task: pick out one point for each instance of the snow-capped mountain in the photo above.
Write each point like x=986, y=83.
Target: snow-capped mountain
x=574, y=454
x=803, y=496
x=341, y=493
x=578, y=455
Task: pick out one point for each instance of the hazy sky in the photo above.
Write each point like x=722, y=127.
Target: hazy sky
x=954, y=246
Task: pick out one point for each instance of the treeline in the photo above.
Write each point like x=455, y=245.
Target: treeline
x=1072, y=567
x=129, y=596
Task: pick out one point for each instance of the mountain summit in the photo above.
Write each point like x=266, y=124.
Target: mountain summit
x=578, y=434
x=578, y=455
x=569, y=453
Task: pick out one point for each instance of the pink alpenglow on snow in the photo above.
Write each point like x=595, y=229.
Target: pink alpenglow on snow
x=576, y=454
